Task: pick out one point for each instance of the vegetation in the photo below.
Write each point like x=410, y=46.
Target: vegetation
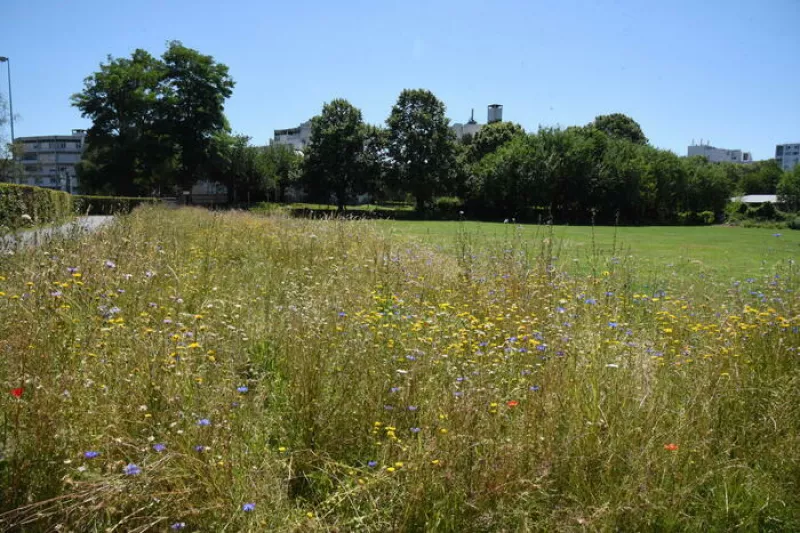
x=22, y=206
x=224, y=371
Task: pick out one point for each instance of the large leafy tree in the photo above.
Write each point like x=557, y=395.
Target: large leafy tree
x=420, y=145
x=620, y=126
x=193, y=102
x=153, y=120
x=333, y=159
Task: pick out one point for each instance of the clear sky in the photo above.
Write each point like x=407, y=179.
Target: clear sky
x=727, y=71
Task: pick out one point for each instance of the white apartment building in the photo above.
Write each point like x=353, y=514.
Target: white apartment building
x=298, y=137
x=787, y=155
x=50, y=160
x=720, y=155
x=470, y=128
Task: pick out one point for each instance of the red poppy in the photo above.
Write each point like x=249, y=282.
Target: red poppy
x=512, y=403
x=17, y=393
x=671, y=447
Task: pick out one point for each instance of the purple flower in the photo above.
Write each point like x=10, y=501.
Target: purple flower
x=560, y=310
x=458, y=394
x=243, y=389
x=412, y=407
x=342, y=314
x=72, y=270
x=414, y=430
x=394, y=389
x=372, y=464
x=56, y=294
x=159, y=447
x=204, y=422
x=248, y=507
x=149, y=274
x=132, y=470
x=776, y=234
x=178, y=525
x=590, y=301
x=387, y=407
x=534, y=388
x=110, y=264
x=612, y=324
x=199, y=448
x=91, y=454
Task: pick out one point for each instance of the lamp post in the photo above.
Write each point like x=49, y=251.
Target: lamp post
x=4, y=59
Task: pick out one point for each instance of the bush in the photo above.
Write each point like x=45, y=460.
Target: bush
x=23, y=205
x=766, y=211
x=794, y=223
x=109, y=205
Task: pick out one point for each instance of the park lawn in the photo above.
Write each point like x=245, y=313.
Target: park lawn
x=722, y=251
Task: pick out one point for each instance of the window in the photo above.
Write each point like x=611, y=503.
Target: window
x=30, y=156
x=31, y=168
x=61, y=145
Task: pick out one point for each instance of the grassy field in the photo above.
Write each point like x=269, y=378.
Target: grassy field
x=188, y=370
x=727, y=252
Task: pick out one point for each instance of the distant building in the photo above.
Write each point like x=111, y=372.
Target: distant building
x=495, y=113
x=298, y=137
x=470, y=128
x=720, y=155
x=787, y=155
x=50, y=160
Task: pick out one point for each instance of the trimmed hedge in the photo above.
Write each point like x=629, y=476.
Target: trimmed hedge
x=47, y=206
x=109, y=205
x=43, y=206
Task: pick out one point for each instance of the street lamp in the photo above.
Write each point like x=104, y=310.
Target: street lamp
x=10, y=104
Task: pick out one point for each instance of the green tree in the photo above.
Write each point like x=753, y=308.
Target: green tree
x=121, y=100
x=789, y=190
x=420, y=145
x=194, y=91
x=491, y=137
x=620, y=126
x=334, y=155
x=284, y=166
x=153, y=120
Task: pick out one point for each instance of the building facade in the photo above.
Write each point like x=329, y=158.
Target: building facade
x=50, y=160
x=298, y=137
x=720, y=155
x=787, y=155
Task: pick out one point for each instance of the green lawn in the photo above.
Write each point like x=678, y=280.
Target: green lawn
x=724, y=251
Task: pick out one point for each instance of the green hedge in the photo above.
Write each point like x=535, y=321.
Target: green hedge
x=43, y=206
x=109, y=205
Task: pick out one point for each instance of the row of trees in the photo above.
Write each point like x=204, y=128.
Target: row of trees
x=158, y=124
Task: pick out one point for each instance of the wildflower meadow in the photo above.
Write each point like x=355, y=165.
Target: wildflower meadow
x=189, y=370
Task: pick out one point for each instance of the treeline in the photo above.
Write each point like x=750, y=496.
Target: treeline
x=159, y=126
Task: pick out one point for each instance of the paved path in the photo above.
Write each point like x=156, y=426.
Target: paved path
x=35, y=237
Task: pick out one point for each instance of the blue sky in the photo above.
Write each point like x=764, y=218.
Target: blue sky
x=727, y=71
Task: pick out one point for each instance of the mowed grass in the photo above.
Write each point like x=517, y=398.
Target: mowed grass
x=726, y=252
x=188, y=370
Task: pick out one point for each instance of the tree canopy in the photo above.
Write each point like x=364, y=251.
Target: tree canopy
x=153, y=120
x=620, y=126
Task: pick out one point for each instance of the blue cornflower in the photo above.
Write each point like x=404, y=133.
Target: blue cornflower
x=776, y=234
x=110, y=264
x=342, y=314
x=612, y=324
x=414, y=430
x=132, y=470
x=199, y=448
x=248, y=507
x=560, y=310
x=394, y=389
x=242, y=389
x=178, y=525
x=458, y=393
x=204, y=422
x=159, y=447
x=534, y=388
x=72, y=270
x=590, y=301
x=541, y=347
x=412, y=407
x=91, y=454
x=372, y=464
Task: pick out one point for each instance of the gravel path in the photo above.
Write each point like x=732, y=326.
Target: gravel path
x=35, y=237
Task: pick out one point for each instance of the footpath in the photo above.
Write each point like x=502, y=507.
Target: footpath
x=35, y=237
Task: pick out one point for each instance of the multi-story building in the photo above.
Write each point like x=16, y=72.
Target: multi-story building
x=720, y=155
x=787, y=155
x=298, y=137
x=50, y=160
x=470, y=128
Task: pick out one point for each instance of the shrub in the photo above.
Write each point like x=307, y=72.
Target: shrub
x=707, y=217
x=766, y=211
x=109, y=205
x=40, y=204
x=794, y=223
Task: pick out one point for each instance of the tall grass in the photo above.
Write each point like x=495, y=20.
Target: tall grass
x=228, y=372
